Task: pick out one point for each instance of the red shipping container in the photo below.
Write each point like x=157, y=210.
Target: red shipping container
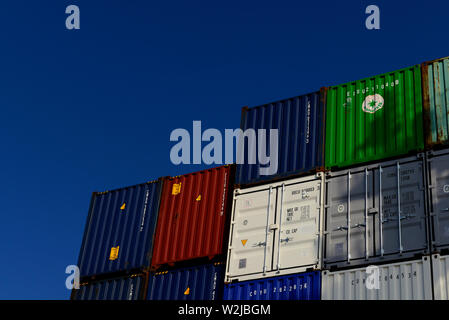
x=192, y=216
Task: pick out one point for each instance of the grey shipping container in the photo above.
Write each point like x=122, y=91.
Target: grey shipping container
x=438, y=189
x=118, y=237
x=376, y=213
x=299, y=122
x=409, y=280
x=440, y=275
x=125, y=288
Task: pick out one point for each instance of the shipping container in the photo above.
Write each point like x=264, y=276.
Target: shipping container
x=192, y=216
x=203, y=282
x=374, y=118
x=299, y=122
x=119, y=230
x=276, y=229
x=410, y=280
x=125, y=288
x=438, y=188
x=440, y=273
x=303, y=286
x=435, y=76
x=376, y=213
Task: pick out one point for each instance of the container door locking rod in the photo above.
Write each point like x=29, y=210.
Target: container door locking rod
x=399, y=209
x=280, y=228
x=366, y=214
x=381, y=215
x=349, y=217
x=266, y=232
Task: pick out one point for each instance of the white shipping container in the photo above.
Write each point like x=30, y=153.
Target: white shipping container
x=440, y=266
x=410, y=280
x=276, y=229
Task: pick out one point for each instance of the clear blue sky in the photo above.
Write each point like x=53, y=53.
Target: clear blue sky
x=92, y=109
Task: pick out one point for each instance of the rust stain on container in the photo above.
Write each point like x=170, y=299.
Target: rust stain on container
x=189, y=228
x=436, y=101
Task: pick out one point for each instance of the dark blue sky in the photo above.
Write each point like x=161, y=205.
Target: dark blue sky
x=92, y=109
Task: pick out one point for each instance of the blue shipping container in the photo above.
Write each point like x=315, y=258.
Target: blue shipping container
x=204, y=282
x=303, y=286
x=129, y=288
x=119, y=231
x=300, y=125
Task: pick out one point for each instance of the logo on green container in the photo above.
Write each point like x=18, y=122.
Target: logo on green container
x=373, y=103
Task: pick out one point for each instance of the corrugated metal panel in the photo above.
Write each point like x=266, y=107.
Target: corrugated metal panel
x=276, y=229
x=436, y=101
x=119, y=229
x=409, y=280
x=304, y=286
x=374, y=118
x=299, y=121
x=204, y=282
x=192, y=216
x=114, y=289
x=440, y=269
x=438, y=186
x=376, y=213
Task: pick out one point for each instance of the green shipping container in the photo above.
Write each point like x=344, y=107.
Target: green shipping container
x=435, y=76
x=374, y=118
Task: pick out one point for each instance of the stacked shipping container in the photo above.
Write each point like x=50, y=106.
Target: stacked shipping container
x=119, y=230
x=374, y=118
x=276, y=226
x=365, y=203
x=202, y=282
x=190, y=231
x=192, y=216
x=376, y=208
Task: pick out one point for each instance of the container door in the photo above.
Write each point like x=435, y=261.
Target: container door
x=404, y=226
x=349, y=219
x=297, y=239
x=439, y=191
x=251, y=247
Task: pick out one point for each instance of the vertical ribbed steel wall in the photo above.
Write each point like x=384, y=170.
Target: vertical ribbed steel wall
x=303, y=286
x=440, y=270
x=410, y=280
x=374, y=118
x=300, y=125
x=128, y=288
x=376, y=213
x=436, y=101
x=119, y=230
x=203, y=282
x=192, y=216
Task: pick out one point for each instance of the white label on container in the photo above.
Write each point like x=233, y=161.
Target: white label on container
x=446, y=188
x=340, y=208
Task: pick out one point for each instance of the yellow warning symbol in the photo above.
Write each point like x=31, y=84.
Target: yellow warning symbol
x=123, y=206
x=176, y=188
x=244, y=242
x=187, y=292
x=198, y=198
x=114, y=253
